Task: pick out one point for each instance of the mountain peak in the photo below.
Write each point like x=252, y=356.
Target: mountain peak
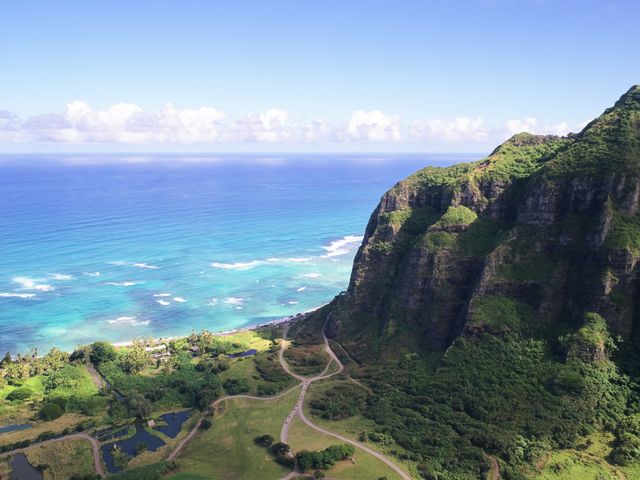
x=631, y=99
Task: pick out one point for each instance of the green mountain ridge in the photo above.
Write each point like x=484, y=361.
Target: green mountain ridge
x=493, y=305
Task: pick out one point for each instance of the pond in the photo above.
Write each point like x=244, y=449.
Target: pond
x=21, y=469
x=246, y=353
x=129, y=445
x=173, y=422
x=15, y=428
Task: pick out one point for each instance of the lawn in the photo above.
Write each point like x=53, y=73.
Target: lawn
x=64, y=459
x=587, y=461
x=69, y=420
x=363, y=467
x=227, y=451
x=352, y=427
x=20, y=409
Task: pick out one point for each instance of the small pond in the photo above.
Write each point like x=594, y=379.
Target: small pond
x=128, y=446
x=21, y=469
x=173, y=422
x=15, y=428
x=246, y=353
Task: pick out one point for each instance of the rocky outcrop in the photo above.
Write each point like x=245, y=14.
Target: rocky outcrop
x=550, y=223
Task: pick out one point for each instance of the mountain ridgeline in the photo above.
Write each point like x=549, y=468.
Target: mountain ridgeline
x=494, y=305
x=549, y=223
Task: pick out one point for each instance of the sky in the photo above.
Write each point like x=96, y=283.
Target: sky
x=312, y=76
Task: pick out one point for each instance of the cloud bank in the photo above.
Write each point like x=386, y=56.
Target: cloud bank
x=129, y=124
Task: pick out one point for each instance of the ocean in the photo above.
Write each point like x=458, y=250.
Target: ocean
x=113, y=247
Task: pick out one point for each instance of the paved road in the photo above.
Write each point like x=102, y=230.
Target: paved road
x=95, y=446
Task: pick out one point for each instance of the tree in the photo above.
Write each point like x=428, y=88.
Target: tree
x=264, y=440
x=280, y=448
x=139, y=405
x=102, y=352
x=134, y=359
x=50, y=411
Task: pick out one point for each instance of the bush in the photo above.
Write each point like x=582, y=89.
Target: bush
x=280, y=448
x=264, y=440
x=50, y=411
x=22, y=393
x=102, y=352
x=206, y=424
x=236, y=386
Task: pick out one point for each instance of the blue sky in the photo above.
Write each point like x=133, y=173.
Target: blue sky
x=456, y=75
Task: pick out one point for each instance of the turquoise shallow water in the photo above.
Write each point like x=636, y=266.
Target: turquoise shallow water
x=114, y=247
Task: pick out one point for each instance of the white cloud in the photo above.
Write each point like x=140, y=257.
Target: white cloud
x=129, y=124
x=374, y=126
x=458, y=130
x=530, y=124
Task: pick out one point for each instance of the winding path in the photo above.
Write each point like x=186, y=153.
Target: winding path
x=298, y=410
x=95, y=446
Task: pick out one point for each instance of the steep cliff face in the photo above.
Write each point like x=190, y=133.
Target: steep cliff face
x=549, y=225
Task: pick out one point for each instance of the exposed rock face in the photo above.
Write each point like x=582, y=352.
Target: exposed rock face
x=550, y=223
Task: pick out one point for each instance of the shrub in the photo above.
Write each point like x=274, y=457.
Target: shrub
x=22, y=393
x=102, y=352
x=264, y=440
x=50, y=411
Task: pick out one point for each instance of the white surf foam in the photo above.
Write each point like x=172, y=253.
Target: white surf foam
x=301, y=289
x=27, y=283
x=16, y=295
x=163, y=302
x=179, y=299
x=60, y=276
x=237, y=265
x=122, y=284
x=293, y=303
x=213, y=302
x=342, y=246
x=132, y=321
x=92, y=274
x=299, y=259
x=146, y=265
x=161, y=294
x=309, y=275
x=234, y=301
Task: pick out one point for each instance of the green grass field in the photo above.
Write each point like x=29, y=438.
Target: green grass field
x=363, y=467
x=63, y=459
x=351, y=427
x=227, y=451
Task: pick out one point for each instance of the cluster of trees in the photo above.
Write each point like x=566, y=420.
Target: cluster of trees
x=324, y=459
x=342, y=401
x=206, y=343
x=25, y=366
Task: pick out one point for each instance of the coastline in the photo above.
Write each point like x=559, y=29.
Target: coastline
x=224, y=333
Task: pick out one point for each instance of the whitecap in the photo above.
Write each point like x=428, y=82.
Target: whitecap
x=239, y=308
x=299, y=259
x=213, y=302
x=234, y=301
x=60, y=276
x=92, y=274
x=145, y=265
x=301, y=289
x=163, y=302
x=293, y=303
x=132, y=321
x=122, y=284
x=342, y=246
x=237, y=265
x=309, y=275
x=27, y=283
x=179, y=299
x=161, y=294
x=16, y=295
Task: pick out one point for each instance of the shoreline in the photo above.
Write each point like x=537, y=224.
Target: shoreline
x=226, y=333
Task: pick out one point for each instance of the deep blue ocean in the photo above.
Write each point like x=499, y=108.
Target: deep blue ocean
x=114, y=247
